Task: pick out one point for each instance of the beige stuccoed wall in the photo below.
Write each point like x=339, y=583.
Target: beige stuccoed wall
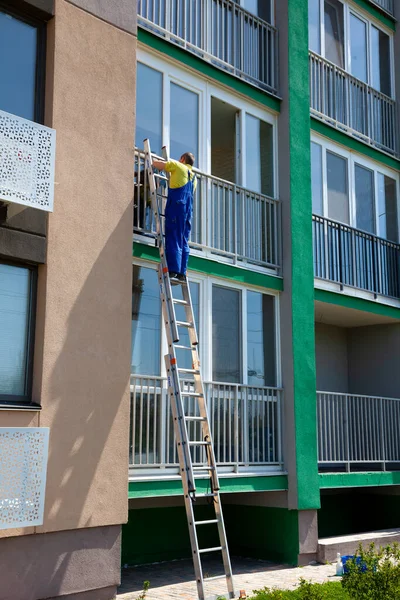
x=82, y=354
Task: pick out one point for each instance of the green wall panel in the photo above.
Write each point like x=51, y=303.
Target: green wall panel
x=158, y=534
x=355, y=303
x=348, y=480
x=304, y=371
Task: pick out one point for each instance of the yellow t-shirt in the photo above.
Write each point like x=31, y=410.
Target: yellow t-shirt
x=179, y=174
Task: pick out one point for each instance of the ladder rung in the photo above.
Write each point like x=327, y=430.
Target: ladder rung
x=159, y=176
x=209, y=522
x=194, y=443
x=207, y=495
x=193, y=371
x=217, y=577
x=187, y=418
x=184, y=324
x=205, y=468
x=215, y=549
x=181, y=302
x=191, y=394
x=183, y=347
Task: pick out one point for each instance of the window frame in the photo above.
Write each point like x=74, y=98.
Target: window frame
x=353, y=159
x=11, y=400
x=349, y=9
x=206, y=90
x=40, y=77
x=206, y=283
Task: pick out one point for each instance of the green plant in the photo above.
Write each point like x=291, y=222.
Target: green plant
x=146, y=585
x=306, y=591
x=373, y=574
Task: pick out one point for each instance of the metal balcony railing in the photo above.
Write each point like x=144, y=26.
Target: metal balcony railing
x=220, y=32
x=27, y=159
x=245, y=423
x=228, y=220
x=355, y=258
x=353, y=106
x=354, y=430
x=387, y=5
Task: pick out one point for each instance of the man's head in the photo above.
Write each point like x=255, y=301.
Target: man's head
x=187, y=159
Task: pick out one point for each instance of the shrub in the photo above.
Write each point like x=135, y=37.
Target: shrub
x=306, y=591
x=373, y=574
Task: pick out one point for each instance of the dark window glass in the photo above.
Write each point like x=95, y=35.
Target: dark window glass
x=358, y=47
x=18, y=67
x=365, y=205
x=338, y=189
x=184, y=115
x=334, y=32
x=381, y=68
x=260, y=339
x=149, y=107
x=316, y=179
x=314, y=26
x=146, y=322
x=387, y=208
x=226, y=335
x=16, y=313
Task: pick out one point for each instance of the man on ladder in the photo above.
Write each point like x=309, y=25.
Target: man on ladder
x=178, y=212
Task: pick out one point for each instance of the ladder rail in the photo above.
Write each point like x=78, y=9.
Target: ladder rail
x=196, y=392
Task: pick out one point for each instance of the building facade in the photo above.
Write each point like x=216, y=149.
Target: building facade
x=290, y=109
x=66, y=189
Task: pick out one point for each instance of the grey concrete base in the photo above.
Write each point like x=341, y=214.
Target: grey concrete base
x=80, y=564
x=303, y=560
x=348, y=544
x=108, y=593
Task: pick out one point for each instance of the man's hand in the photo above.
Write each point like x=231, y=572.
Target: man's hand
x=159, y=164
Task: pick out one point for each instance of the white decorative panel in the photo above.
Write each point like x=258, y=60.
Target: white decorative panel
x=23, y=466
x=27, y=157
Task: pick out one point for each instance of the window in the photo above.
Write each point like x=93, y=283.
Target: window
x=231, y=138
x=353, y=190
x=21, y=67
x=17, y=299
x=236, y=329
x=260, y=8
x=352, y=41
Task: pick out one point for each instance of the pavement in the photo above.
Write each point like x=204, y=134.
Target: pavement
x=175, y=580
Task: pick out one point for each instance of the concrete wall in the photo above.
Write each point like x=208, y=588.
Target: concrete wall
x=374, y=360
x=331, y=358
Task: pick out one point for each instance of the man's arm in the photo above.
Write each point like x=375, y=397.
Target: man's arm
x=159, y=164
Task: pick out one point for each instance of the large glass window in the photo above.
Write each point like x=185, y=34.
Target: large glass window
x=19, y=67
x=380, y=61
x=261, y=8
x=259, y=156
x=338, y=193
x=260, y=340
x=149, y=107
x=314, y=25
x=224, y=132
x=17, y=289
x=146, y=322
x=184, y=122
x=226, y=335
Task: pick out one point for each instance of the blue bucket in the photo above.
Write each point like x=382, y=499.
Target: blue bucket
x=363, y=566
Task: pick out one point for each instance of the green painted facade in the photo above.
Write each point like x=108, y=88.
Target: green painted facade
x=365, y=479
x=302, y=276
x=355, y=303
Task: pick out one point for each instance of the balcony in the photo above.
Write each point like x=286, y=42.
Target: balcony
x=27, y=157
x=350, y=105
x=386, y=5
x=354, y=258
x=245, y=423
x=220, y=32
x=229, y=221
x=358, y=432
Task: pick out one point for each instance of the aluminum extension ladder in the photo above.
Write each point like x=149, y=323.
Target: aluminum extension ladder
x=178, y=393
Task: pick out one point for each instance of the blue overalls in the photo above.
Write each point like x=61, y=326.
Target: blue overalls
x=178, y=223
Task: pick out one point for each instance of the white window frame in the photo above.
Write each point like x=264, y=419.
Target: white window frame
x=348, y=9
x=352, y=159
x=205, y=89
x=206, y=283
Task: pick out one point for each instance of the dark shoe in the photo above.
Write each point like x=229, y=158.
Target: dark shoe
x=173, y=275
x=181, y=277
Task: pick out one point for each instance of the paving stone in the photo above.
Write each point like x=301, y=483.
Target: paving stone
x=175, y=580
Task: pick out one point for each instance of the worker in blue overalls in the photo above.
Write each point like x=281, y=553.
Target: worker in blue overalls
x=178, y=212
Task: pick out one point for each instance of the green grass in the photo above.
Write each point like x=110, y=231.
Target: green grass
x=306, y=591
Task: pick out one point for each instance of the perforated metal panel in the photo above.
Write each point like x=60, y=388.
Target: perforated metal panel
x=27, y=157
x=23, y=466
